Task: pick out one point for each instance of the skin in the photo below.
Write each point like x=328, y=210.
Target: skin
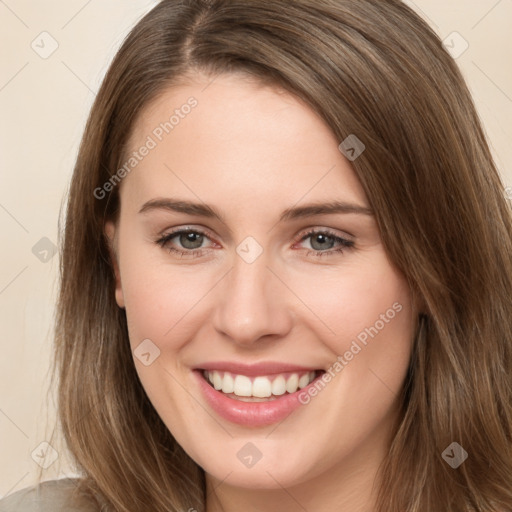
x=251, y=151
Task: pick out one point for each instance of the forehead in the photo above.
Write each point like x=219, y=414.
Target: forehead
x=238, y=138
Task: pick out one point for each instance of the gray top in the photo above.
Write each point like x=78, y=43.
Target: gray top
x=49, y=496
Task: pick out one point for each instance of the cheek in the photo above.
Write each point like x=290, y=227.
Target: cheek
x=363, y=314
x=163, y=305
x=357, y=302
x=162, y=299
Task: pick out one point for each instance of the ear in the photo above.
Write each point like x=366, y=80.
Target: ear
x=110, y=232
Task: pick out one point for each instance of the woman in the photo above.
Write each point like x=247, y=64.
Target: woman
x=286, y=271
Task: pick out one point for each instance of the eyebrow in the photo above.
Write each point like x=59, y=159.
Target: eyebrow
x=296, y=212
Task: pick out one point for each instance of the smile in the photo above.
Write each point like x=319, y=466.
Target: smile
x=254, y=396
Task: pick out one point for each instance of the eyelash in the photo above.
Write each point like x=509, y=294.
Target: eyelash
x=194, y=253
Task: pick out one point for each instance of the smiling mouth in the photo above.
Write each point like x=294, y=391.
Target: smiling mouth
x=260, y=388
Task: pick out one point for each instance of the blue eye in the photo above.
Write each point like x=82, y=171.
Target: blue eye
x=190, y=239
x=321, y=238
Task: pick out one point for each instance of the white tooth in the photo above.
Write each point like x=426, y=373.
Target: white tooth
x=278, y=386
x=216, y=380
x=304, y=381
x=292, y=383
x=228, y=385
x=243, y=386
x=261, y=387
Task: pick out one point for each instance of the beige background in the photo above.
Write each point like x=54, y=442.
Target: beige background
x=44, y=104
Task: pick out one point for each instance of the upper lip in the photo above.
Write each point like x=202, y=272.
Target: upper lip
x=255, y=369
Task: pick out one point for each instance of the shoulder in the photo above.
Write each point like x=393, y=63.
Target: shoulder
x=50, y=496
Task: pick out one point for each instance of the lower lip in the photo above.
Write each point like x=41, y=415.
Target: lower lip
x=251, y=414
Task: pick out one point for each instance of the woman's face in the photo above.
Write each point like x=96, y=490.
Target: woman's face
x=282, y=279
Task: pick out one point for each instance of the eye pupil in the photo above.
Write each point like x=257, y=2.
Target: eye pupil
x=323, y=239
x=195, y=239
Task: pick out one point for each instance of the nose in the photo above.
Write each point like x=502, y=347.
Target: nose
x=252, y=304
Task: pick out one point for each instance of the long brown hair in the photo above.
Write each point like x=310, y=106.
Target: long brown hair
x=372, y=68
